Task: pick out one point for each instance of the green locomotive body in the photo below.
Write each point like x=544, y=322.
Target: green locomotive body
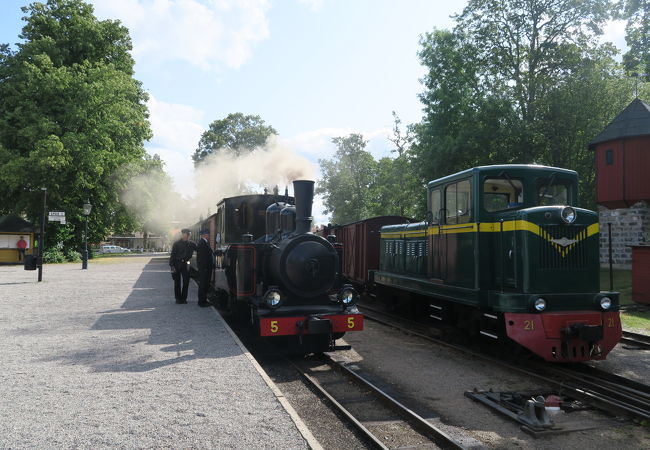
x=506, y=252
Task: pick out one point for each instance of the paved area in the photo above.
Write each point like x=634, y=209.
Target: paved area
x=105, y=358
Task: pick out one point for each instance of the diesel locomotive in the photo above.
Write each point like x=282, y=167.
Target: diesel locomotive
x=505, y=253
x=274, y=273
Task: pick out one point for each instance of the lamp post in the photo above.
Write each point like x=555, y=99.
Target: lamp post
x=41, y=239
x=84, y=262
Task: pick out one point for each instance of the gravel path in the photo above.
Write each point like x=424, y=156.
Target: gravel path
x=432, y=380
x=104, y=358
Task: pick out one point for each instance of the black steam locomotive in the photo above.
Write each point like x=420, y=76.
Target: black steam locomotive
x=272, y=271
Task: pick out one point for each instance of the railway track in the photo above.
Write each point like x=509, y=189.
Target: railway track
x=603, y=390
x=636, y=339
x=383, y=421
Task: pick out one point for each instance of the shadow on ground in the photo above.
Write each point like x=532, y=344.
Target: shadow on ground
x=177, y=333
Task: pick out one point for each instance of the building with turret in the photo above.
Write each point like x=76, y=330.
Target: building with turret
x=622, y=152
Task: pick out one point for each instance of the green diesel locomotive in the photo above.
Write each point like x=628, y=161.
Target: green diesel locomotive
x=506, y=252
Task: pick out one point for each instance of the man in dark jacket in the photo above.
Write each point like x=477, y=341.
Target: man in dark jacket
x=179, y=261
x=205, y=263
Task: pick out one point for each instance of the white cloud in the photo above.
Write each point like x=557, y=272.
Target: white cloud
x=317, y=144
x=176, y=133
x=209, y=34
x=314, y=5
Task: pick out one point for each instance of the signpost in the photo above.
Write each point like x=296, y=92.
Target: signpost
x=56, y=216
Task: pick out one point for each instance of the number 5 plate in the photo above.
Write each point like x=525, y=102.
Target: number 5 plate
x=284, y=326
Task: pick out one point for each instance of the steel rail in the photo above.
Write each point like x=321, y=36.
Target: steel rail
x=636, y=339
x=415, y=421
x=418, y=422
x=374, y=440
x=599, y=395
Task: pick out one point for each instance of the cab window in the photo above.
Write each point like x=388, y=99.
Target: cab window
x=500, y=194
x=556, y=193
x=457, y=202
x=435, y=206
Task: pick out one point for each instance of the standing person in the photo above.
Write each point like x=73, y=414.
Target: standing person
x=205, y=263
x=21, y=245
x=179, y=261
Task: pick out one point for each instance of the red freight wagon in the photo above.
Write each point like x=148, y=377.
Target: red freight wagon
x=360, y=242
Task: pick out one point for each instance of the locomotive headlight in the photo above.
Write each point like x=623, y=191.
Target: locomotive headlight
x=540, y=304
x=348, y=295
x=568, y=214
x=273, y=298
x=605, y=303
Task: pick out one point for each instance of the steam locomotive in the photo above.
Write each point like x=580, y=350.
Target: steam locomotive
x=504, y=253
x=274, y=273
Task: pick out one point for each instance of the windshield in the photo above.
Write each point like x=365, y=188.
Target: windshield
x=556, y=193
x=502, y=193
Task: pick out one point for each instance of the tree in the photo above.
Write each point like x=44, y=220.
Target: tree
x=71, y=119
x=637, y=36
x=525, y=46
x=236, y=133
x=397, y=189
x=347, y=179
x=518, y=82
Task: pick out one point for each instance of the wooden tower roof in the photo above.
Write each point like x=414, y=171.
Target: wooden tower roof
x=633, y=121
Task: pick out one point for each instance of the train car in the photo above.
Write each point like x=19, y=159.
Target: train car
x=505, y=252
x=272, y=271
x=360, y=242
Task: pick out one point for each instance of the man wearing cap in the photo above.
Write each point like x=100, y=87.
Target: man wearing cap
x=205, y=264
x=179, y=261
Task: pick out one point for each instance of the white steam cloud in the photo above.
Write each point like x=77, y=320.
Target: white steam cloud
x=222, y=174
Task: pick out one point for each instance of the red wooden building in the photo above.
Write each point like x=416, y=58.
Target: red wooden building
x=623, y=158
x=622, y=152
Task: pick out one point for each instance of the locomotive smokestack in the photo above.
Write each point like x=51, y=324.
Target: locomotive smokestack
x=303, y=192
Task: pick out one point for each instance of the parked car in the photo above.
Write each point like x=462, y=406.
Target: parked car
x=113, y=249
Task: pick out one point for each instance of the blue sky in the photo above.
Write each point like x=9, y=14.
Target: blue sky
x=313, y=69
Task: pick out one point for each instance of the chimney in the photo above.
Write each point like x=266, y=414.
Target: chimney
x=303, y=192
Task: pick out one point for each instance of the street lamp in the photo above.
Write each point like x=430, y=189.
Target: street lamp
x=84, y=262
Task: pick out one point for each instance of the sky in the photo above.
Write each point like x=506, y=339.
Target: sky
x=313, y=69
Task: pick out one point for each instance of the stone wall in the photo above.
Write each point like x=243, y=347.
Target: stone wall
x=630, y=226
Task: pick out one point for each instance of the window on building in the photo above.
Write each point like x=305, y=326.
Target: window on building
x=609, y=157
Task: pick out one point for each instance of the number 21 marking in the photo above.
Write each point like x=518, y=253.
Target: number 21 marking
x=529, y=325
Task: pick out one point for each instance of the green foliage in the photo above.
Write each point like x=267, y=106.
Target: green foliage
x=518, y=82
x=637, y=36
x=71, y=118
x=53, y=255
x=236, y=133
x=355, y=186
x=72, y=255
x=347, y=179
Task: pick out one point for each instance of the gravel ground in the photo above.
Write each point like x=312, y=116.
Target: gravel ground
x=104, y=358
x=432, y=380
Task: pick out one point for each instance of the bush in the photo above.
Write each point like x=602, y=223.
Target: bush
x=72, y=255
x=53, y=255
